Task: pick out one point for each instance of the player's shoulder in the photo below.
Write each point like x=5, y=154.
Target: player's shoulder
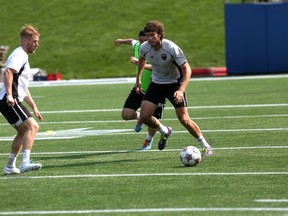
x=135, y=43
x=145, y=44
x=18, y=54
x=144, y=47
x=168, y=44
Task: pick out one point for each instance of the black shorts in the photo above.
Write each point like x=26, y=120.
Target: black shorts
x=159, y=92
x=134, y=101
x=14, y=115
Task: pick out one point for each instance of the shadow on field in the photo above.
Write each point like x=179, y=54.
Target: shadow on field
x=92, y=159
x=70, y=165
x=84, y=155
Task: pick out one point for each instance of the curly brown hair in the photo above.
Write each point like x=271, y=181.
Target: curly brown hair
x=155, y=26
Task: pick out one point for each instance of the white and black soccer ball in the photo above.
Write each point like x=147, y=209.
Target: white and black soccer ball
x=190, y=156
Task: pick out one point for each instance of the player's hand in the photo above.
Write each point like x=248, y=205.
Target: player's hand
x=10, y=100
x=178, y=97
x=138, y=87
x=134, y=60
x=37, y=114
x=117, y=42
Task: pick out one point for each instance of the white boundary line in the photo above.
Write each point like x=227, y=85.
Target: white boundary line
x=147, y=210
x=133, y=80
x=155, y=150
x=70, y=134
x=127, y=80
x=191, y=107
x=166, y=119
x=171, y=108
x=272, y=200
x=14, y=177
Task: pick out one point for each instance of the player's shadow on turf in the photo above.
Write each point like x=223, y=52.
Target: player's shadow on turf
x=85, y=155
x=85, y=164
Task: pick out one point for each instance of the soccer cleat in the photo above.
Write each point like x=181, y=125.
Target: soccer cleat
x=207, y=151
x=147, y=144
x=11, y=170
x=29, y=166
x=138, y=126
x=164, y=139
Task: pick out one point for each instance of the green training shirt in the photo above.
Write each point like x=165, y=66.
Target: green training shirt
x=146, y=75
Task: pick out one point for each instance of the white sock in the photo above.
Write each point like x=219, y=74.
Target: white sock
x=148, y=137
x=25, y=156
x=138, y=115
x=163, y=129
x=203, y=143
x=12, y=160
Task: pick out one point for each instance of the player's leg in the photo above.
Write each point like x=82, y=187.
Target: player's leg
x=27, y=128
x=16, y=146
x=194, y=130
x=148, y=142
x=12, y=117
x=184, y=118
x=151, y=131
x=128, y=114
x=155, y=94
x=131, y=105
x=146, y=114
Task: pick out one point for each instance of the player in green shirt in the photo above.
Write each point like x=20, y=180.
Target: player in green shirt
x=134, y=99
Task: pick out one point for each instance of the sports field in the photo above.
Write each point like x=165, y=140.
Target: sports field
x=92, y=165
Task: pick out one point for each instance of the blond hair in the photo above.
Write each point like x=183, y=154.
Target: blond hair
x=28, y=31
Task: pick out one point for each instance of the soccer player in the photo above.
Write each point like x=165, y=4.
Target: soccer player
x=133, y=101
x=13, y=93
x=171, y=73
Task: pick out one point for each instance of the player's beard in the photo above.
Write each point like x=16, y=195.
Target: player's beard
x=31, y=49
x=156, y=45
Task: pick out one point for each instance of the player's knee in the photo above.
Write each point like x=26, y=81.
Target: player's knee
x=184, y=121
x=128, y=115
x=36, y=127
x=124, y=117
x=33, y=126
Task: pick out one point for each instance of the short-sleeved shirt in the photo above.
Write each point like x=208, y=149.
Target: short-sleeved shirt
x=18, y=60
x=146, y=75
x=165, y=62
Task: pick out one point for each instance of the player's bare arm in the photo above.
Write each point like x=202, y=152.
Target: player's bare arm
x=8, y=79
x=186, y=71
x=29, y=100
x=134, y=60
x=123, y=41
x=141, y=65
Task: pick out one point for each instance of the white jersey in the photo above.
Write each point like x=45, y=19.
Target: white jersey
x=165, y=62
x=18, y=60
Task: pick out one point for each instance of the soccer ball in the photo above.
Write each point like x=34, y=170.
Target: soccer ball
x=190, y=156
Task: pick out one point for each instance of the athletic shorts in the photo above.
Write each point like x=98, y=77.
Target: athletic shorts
x=159, y=92
x=14, y=115
x=134, y=101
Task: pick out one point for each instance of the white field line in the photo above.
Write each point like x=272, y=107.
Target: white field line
x=147, y=210
x=166, y=119
x=190, y=107
x=127, y=80
x=155, y=150
x=82, y=132
x=22, y=176
x=272, y=200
